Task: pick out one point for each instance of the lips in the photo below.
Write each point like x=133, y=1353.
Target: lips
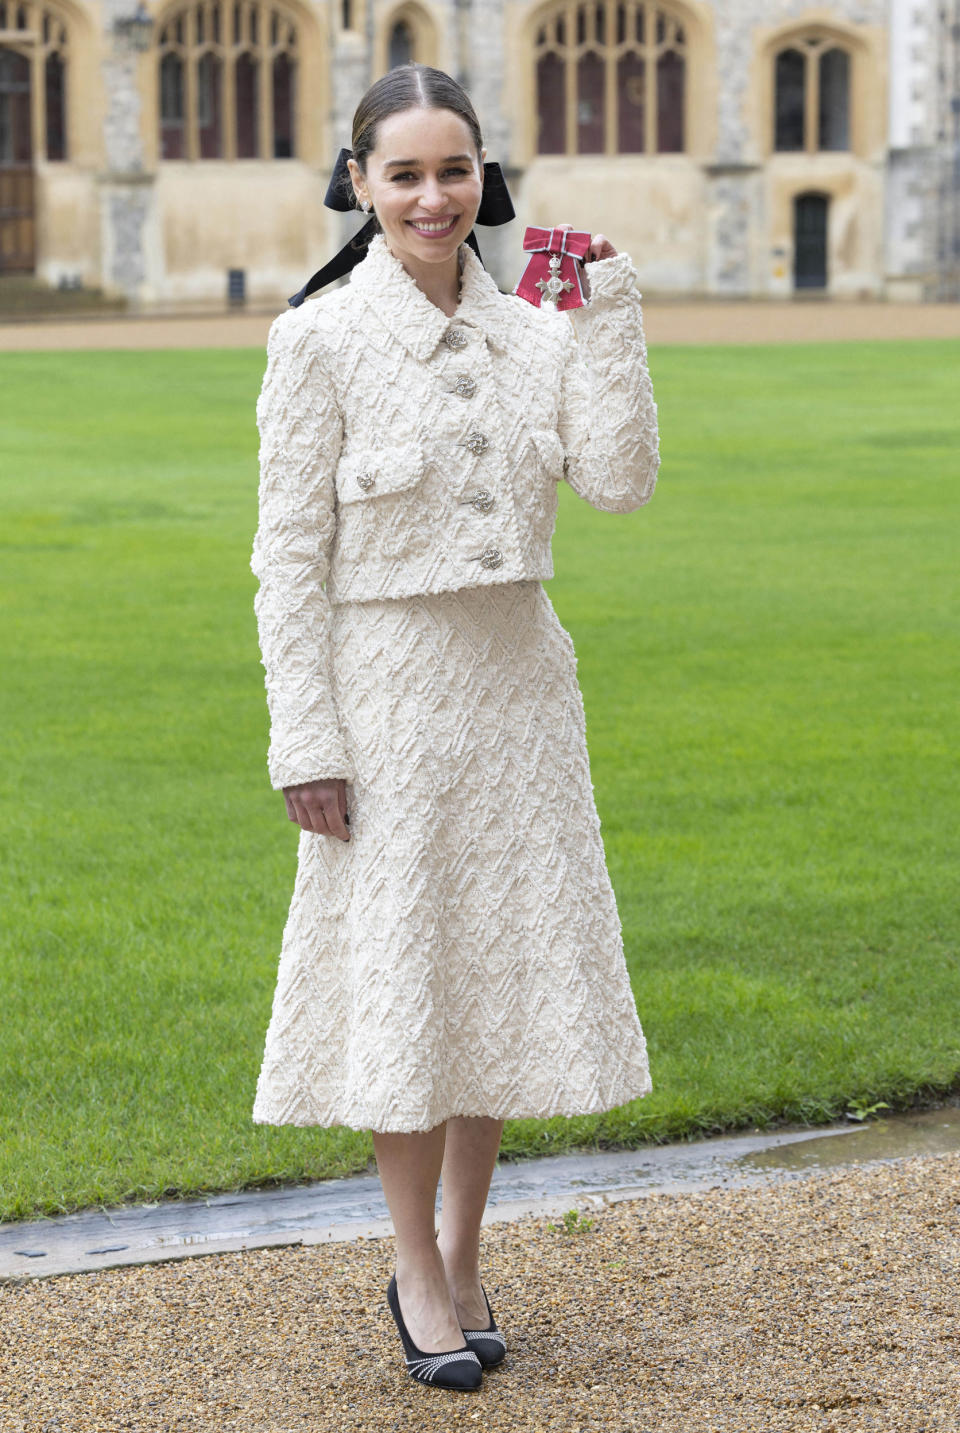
x=434, y=228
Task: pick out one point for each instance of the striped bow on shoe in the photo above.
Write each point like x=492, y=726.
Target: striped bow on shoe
x=459, y=1368
x=428, y=1365
x=488, y=1344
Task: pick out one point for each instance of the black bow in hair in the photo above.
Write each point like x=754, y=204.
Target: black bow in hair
x=496, y=207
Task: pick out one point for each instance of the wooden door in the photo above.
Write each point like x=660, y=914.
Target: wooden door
x=810, y=241
x=17, y=221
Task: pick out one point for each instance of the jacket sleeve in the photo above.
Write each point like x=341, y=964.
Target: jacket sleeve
x=300, y=439
x=608, y=418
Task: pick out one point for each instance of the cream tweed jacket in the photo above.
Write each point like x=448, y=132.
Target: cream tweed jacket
x=403, y=452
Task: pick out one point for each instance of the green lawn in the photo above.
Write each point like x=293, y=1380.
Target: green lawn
x=769, y=661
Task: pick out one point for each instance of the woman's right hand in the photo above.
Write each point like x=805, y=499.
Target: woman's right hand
x=319, y=806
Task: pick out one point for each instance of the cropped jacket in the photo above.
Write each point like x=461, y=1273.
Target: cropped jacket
x=403, y=452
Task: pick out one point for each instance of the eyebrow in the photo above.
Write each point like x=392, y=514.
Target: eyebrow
x=412, y=163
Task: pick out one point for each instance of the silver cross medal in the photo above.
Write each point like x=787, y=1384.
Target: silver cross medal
x=551, y=289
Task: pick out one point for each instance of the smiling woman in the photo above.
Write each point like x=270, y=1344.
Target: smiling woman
x=453, y=954
x=426, y=204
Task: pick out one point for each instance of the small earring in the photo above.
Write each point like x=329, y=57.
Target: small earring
x=365, y=206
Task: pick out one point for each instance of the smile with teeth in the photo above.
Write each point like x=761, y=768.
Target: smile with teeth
x=433, y=226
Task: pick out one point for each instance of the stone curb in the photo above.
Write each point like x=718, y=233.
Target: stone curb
x=340, y=1210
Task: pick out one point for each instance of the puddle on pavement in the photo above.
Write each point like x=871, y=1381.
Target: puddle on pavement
x=896, y=1137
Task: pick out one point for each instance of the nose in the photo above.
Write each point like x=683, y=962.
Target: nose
x=431, y=195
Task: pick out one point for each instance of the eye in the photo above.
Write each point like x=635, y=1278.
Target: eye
x=454, y=172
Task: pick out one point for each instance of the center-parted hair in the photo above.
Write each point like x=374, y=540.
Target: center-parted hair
x=409, y=87
x=404, y=88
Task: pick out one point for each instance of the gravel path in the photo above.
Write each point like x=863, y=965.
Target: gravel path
x=826, y=1303
x=665, y=323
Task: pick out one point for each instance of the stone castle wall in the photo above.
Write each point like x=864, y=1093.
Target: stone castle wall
x=715, y=220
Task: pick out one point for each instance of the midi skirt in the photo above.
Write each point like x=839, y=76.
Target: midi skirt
x=462, y=953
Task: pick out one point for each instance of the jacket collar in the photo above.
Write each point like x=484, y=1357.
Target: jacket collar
x=409, y=315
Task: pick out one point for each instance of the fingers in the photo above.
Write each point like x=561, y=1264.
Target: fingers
x=319, y=807
x=308, y=815
x=601, y=248
x=333, y=814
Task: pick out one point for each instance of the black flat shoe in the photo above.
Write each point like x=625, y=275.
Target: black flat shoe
x=460, y=1368
x=488, y=1344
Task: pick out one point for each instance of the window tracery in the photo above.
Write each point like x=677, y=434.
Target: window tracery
x=34, y=65
x=610, y=79
x=405, y=34
x=227, y=81
x=812, y=84
x=401, y=44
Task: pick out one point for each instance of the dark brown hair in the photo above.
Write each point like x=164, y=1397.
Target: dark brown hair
x=409, y=87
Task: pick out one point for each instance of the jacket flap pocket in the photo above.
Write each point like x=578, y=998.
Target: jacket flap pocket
x=549, y=450
x=371, y=472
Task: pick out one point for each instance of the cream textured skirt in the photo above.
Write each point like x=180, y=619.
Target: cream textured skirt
x=462, y=953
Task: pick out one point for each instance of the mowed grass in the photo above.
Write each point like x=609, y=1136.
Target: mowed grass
x=768, y=654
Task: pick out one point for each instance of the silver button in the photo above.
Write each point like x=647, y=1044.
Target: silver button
x=465, y=386
x=477, y=442
x=455, y=338
x=365, y=480
x=489, y=557
x=481, y=500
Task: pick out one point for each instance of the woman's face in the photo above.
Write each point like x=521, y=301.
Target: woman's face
x=425, y=181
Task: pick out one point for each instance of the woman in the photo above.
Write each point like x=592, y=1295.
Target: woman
x=453, y=954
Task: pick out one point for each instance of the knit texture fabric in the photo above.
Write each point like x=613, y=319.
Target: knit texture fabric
x=462, y=953
x=377, y=435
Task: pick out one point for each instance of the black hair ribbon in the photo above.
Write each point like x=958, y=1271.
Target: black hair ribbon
x=496, y=207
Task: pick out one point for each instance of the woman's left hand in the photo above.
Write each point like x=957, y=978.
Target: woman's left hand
x=600, y=248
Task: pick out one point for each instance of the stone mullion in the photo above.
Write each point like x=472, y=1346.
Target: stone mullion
x=38, y=108
x=188, y=51
x=570, y=46
x=811, y=93
x=228, y=99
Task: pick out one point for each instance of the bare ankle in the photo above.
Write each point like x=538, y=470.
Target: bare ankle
x=461, y=1266
x=419, y=1265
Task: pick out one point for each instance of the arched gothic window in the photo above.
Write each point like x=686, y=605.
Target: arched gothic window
x=611, y=79
x=405, y=34
x=227, y=79
x=811, y=96
x=401, y=45
x=38, y=62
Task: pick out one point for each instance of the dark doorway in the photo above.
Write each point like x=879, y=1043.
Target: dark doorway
x=16, y=165
x=401, y=45
x=810, y=241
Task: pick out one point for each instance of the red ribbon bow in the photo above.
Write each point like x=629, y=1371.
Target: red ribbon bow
x=564, y=244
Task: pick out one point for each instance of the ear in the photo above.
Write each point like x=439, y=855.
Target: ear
x=356, y=174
